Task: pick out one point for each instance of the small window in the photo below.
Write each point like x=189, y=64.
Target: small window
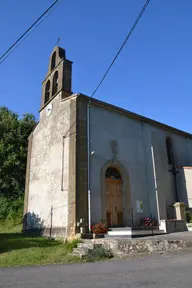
x=47, y=91
x=169, y=148
x=113, y=173
x=55, y=83
x=53, y=61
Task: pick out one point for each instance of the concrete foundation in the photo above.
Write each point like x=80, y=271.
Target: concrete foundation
x=172, y=226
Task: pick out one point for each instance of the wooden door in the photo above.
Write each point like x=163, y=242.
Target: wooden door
x=114, y=205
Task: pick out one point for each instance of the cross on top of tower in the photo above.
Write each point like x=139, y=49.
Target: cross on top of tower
x=58, y=40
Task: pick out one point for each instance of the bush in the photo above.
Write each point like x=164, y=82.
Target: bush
x=188, y=216
x=98, y=254
x=16, y=212
x=11, y=213
x=4, y=208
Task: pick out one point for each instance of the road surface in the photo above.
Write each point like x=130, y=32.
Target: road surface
x=167, y=271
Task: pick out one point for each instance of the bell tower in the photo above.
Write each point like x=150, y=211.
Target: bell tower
x=58, y=78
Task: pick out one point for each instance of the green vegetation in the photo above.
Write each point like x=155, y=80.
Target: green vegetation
x=19, y=249
x=11, y=213
x=98, y=254
x=14, y=132
x=7, y=227
x=188, y=216
x=23, y=249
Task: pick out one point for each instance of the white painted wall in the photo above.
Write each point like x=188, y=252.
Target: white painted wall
x=188, y=179
x=46, y=166
x=185, y=185
x=135, y=139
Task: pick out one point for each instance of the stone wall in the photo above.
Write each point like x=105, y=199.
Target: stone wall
x=123, y=247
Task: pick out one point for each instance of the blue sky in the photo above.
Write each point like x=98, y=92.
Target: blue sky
x=152, y=76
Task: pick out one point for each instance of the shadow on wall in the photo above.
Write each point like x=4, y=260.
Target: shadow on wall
x=32, y=223
x=170, y=211
x=182, y=192
x=18, y=241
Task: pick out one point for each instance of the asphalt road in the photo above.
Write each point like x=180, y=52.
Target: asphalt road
x=173, y=270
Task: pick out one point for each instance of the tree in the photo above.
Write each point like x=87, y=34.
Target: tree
x=14, y=132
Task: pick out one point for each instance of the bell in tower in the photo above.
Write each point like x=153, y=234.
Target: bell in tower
x=58, y=78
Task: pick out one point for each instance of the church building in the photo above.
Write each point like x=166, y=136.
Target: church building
x=90, y=160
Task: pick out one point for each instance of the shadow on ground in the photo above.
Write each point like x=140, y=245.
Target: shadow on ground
x=16, y=241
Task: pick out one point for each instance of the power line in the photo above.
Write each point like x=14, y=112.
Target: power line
x=122, y=46
x=89, y=104
x=27, y=35
x=119, y=51
x=28, y=30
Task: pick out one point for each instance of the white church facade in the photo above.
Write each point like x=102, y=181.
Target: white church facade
x=91, y=160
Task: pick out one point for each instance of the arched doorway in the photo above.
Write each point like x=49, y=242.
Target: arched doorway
x=114, y=197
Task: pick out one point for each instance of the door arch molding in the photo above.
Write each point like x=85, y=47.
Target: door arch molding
x=125, y=190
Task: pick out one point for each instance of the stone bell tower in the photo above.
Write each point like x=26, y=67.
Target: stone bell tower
x=58, y=78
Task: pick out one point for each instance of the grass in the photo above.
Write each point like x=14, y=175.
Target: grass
x=18, y=249
x=10, y=228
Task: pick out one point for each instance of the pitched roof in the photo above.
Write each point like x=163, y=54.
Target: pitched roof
x=133, y=115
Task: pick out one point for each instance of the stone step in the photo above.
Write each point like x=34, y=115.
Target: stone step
x=83, y=248
x=132, y=232
x=137, y=236
x=88, y=245
x=79, y=251
x=85, y=245
x=119, y=232
x=118, y=236
x=134, y=228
